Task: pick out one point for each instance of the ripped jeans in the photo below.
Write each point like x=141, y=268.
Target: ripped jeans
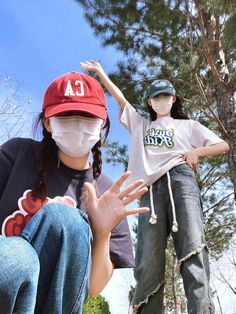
x=47, y=269
x=189, y=243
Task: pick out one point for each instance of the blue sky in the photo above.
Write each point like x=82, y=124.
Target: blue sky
x=40, y=40
x=43, y=39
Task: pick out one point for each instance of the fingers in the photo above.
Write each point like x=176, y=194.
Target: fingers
x=85, y=65
x=192, y=162
x=130, y=188
x=135, y=211
x=90, y=193
x=118, y=183
x=130, y=198
x=91, y=64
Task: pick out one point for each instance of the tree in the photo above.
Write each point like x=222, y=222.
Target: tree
x=96, y=305
x=225, y=268
x=178, y=40
x=14, y=114
x=190, y=43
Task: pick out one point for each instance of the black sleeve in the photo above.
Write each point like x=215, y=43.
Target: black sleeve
x=8, y=152
x=121, y=248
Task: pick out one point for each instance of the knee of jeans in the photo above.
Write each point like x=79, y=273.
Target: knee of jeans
x=21, y=262
x=64, y=218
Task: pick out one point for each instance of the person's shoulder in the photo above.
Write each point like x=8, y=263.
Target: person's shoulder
x=19, y=143
x=184, y=122
x=195, y=123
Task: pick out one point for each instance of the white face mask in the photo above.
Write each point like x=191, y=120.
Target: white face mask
x=75, y=135
x=162, y=104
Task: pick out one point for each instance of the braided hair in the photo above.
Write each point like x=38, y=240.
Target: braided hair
x=47, y=153
x=176, y=110
x=97, y=153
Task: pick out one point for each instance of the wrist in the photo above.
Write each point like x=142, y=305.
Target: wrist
x=101, y=236
x=199, y=152
x=100, y=71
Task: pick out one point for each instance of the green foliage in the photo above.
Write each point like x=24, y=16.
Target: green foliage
x=96, y=305
x=160, y=39
x=168, y=39
x=164, y=39
x=169, y=279
x=116, y=154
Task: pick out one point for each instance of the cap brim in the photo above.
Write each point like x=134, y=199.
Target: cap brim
x=96, y=110
x=163, y=91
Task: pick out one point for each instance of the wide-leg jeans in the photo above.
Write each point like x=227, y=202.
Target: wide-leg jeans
x=189, y=243
x=46, y=270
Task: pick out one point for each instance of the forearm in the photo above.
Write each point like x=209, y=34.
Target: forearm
x=102, y=267
x=112, y=88
x=212, y=150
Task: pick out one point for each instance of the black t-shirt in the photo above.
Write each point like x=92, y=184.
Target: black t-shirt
x=17, y=176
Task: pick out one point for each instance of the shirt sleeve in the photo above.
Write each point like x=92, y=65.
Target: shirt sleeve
x=121, y=247
x=202, y=136
x=8, y=152
x=129, y=118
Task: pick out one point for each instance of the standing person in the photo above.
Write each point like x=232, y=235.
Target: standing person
x=49, y=255
x=168, y=147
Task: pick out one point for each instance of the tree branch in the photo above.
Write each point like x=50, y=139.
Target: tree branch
x=218, y=203
x=206, y=48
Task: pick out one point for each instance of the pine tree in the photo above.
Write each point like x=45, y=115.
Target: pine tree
x=192, y=44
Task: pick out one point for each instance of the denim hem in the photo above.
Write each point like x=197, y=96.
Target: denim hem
x=189, y=247
x=137, y=306
x=197, y=251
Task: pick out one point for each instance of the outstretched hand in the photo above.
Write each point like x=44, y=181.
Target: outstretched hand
x=91, y=65
x=106, y=211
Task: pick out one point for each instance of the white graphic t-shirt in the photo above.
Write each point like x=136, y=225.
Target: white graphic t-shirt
x=157, y=146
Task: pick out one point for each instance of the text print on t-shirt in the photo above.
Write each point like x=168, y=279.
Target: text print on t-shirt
x=159, y=137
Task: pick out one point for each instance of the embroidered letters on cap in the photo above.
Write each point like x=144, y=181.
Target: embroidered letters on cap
x=75, y=91
x=79, y=91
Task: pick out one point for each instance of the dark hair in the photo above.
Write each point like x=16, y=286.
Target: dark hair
x=176, y=110
x=47, y=152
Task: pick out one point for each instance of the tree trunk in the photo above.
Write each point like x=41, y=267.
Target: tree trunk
x=224, y=88
x=226, y=108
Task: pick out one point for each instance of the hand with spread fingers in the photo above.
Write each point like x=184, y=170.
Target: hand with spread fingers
x=91, y=65
x=107, y=211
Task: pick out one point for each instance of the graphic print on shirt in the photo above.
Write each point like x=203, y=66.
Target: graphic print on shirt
x=159, y=137
x=15, y=223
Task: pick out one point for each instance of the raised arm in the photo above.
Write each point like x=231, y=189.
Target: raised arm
x=115, y=92
x=104, y=214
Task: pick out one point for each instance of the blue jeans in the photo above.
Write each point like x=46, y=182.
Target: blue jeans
x=46, y=270
x=189, y=243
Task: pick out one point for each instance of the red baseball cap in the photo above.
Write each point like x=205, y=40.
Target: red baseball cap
x=75, y=91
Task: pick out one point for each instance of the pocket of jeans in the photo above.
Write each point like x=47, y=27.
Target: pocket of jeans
x=184, y=169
